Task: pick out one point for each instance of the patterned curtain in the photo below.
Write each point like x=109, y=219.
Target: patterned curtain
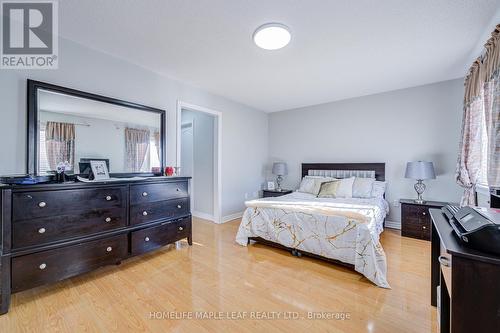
x=469, y=161
x=136, y=147
x=492, y=114
x=60, y=143
x=480, y=141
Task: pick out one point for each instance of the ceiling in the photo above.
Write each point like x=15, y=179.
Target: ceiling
x=49, y=101
x=339, y=49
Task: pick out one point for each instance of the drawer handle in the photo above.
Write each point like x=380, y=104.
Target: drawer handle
x=108, y=198
x=423, y=213
x=41, y=230
x=144, y=213
x=108, y=219
x=179, y=206
x=42, y=266
x=146, y=239
x=144, y=194
x=424, y=227
x=181, y=228
x=42, y=204
x=109, y=249
x=444, y=261
x=177, y=189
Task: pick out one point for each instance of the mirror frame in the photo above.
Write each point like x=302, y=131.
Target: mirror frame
x=32, y=129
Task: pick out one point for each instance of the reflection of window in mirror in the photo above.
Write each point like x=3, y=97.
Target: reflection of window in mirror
x=152, y=159
x=44, y=162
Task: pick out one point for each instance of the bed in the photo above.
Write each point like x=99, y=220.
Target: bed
x=339, y=230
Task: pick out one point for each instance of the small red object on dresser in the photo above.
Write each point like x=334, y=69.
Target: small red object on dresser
x=169, y=171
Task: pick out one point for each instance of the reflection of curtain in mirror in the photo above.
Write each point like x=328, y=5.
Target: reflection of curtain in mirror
x=60, y=143
x=136, y=147
x=156, y=136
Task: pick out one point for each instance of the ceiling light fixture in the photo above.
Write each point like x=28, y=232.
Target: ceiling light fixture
x=272, y=36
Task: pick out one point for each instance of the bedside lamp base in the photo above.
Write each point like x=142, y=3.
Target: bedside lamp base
x=279, y=179
x=419, y=188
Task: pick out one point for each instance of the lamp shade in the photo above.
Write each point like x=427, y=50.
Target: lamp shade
x=280, y=169
x=420, y=170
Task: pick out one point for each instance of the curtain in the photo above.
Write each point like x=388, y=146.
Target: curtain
x=60, y=143
x=492, y=111
x=136, y=147
x=480, y=140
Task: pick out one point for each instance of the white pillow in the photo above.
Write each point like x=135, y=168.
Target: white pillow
x=345, y=188
x=312, y=184
x=362, y=187
x=378, y=189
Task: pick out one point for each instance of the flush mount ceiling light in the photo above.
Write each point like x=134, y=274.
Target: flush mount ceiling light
x=272, y=36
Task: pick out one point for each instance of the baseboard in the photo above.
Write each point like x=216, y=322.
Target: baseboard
x=204, y=216
x=231, y=217
x=393, y=224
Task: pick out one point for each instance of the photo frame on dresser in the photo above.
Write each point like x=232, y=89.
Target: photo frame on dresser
x=99, y=169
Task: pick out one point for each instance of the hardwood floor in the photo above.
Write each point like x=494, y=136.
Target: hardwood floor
x=216, y=274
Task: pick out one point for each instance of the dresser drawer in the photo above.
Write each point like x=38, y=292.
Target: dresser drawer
x=159, y=210
x=416, y=229
x=54, y=265
x=148, y=239
x=158, y=192
x=31, y=205
x=414, y=211
x=49, y=229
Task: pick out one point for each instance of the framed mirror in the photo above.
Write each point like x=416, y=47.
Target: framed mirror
x=67, y=125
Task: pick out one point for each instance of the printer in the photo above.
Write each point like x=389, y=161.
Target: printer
x=477, y=227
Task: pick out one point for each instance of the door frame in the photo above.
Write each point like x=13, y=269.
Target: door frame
x=181, y=105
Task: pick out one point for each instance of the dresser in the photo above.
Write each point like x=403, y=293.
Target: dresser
x=464, y=282
x=51, y=232
x=415, y=218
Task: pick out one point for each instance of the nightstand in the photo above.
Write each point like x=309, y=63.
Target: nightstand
x=415, y=218
x=274, y=193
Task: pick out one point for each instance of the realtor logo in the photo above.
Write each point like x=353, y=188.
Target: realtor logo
x=29, y=35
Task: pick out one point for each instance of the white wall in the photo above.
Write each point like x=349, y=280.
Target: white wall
x=203, y=159
x=421, y=123
x=100, y=140
x=244, y=130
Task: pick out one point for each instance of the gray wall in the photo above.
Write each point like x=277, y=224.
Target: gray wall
x=93, y=71
x=202, y=160
x=421, y=123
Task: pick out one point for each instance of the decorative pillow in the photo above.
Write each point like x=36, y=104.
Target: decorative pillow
x=329, y=189
x=362, y=187
x=378, y=189
x=312, y=184
x=345, y=188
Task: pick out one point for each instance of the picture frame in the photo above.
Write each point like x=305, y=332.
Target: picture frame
x=270, y=186
x=100, y=170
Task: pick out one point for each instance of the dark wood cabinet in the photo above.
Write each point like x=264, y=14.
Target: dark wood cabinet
x=415, y=218
x=274, y=193
x=51, y=232
x=468, y=294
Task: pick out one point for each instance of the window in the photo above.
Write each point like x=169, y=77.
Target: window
x=43, y=161
x=151, y=159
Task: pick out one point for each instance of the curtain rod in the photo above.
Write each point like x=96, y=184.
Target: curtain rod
x=76, y=124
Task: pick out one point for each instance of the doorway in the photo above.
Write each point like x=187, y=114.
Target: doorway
x=198, y=155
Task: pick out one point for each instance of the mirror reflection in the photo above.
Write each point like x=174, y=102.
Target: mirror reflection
x=76, y=130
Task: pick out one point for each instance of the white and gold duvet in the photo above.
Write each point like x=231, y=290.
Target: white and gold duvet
x=343, y=229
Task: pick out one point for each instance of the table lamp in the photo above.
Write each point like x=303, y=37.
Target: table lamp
x=420, y=170
x=280, y=169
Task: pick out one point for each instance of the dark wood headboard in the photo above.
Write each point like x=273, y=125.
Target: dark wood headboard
x=379, y=168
